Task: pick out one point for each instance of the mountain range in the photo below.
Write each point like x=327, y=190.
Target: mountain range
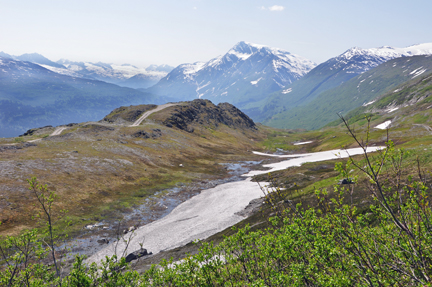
x=125, y=75
x=241, y=76
x=360, y=90
x=325, y=76
x=271, y=85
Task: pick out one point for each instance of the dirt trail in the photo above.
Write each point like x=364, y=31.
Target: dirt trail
x=148, y=113
x=57, y=131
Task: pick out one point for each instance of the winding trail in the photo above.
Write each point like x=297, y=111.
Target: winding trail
x=148, y=113
x=209, y=212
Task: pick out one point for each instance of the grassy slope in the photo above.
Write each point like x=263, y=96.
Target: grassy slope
x=97, y=168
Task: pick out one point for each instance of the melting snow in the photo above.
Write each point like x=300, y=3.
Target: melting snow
x=299, y=159
x=302, y=143
x=255, y=82
x=384, y=125
x=287, y=91
x=392, y=110
x=418, y=72
x=367, y=104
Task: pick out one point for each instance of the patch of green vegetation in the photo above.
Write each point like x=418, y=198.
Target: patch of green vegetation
x=420, y=118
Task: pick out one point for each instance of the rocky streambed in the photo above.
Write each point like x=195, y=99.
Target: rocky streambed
x=211, y=211
x=98, y=235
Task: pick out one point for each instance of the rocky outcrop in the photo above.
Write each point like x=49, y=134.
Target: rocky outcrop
x=30, y=132
x=137, y=254
x=16, y=147
x=155, y=133
x=204, y=112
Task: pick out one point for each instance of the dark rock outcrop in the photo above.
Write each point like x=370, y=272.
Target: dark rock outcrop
x=137, y=254
x=204, y=112
x=32, y=131
x=103, y=241
x=16, y=147
x=146, y=135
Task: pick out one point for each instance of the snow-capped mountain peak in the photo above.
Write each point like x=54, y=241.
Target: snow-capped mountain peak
x=357, y=60
x=388, y=52
x=241, y=75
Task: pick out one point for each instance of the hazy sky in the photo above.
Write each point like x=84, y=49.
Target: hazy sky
x=143, y=32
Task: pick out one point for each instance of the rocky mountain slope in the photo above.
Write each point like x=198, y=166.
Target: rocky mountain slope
x=32, y=96
x=242, y=75
x=326, y=76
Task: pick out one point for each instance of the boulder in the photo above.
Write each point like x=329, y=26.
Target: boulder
x=137, y=254
x=103, y=241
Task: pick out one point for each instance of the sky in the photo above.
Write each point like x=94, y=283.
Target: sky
x=144, y=32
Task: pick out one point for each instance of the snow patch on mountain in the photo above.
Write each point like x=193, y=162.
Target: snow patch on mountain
x=287, y=91
x=384, y=125
x=255, y=82
x=417, y=72
x=369, y=103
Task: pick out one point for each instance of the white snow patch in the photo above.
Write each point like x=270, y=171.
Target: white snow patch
x=255, y=82
x=287, y=91
x=302, y=143
x=418, y=73
x=242, y=56
x=370, y=103
x=384, y=125
x=299, y=159
x=392, y=110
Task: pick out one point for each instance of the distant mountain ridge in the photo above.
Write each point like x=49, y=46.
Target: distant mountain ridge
x=326, y=76
x=242, y=75
x=32, y=96
x=359, y=91
x=110, y=73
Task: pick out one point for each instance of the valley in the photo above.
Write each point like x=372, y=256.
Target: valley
x=168, y=170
